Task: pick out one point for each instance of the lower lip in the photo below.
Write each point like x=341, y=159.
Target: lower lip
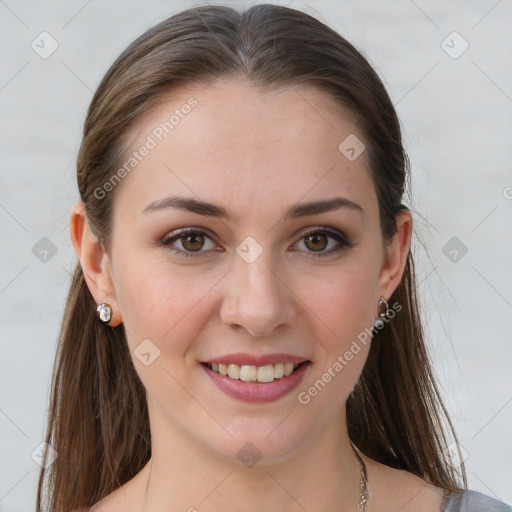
x=257, y=391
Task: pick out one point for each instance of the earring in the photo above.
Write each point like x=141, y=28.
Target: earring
x=379, y=322
x=104, y=312
x=383, y=303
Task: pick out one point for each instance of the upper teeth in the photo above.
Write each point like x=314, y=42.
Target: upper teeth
x=248, y=373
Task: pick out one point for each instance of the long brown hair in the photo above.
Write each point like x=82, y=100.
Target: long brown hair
x=98, y=420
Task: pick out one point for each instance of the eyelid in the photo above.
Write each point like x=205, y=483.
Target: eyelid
x=169, y=239
x=329, y=231
x=342, y=240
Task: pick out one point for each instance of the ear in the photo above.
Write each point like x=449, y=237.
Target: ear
x=395, y=256
x=94, y=261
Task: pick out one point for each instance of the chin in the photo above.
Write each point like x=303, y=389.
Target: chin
x=268, y=442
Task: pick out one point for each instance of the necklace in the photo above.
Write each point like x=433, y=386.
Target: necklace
x=364, y=493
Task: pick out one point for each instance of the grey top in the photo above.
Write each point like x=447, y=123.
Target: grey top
x=473, y=501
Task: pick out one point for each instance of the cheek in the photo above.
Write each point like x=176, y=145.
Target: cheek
x=344, y=303
x=343, y=310
x=165, y=304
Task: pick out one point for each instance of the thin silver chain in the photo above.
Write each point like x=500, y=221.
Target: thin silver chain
x=364, y=493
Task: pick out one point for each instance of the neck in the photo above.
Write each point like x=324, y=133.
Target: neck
x=182, y=475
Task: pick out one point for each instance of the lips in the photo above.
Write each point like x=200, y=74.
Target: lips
x=257, y=378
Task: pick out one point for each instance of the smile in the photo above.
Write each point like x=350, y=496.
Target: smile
x=250, y=383
x=249, y=373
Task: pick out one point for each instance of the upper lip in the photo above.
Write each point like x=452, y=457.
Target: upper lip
x=254, y=360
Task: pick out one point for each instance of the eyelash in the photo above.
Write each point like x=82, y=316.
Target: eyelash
x=342, y=241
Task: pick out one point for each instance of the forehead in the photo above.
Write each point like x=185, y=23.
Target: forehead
x=230, y=110
x=232, y=140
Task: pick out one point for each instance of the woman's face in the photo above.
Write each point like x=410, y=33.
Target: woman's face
x=250, y=283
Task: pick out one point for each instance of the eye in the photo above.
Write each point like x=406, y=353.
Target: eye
x=191, y=240
x=316, y=242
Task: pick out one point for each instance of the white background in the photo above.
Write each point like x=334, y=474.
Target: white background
x=457, y=120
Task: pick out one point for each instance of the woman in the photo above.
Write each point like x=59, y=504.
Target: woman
x=242, y=331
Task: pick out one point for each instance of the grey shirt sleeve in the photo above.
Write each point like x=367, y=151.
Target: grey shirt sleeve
x=473, y=501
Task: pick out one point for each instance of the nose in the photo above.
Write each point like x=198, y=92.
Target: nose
x=257, y=298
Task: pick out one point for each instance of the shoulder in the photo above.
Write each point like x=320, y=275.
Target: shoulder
x=395, y=489
x=473, y=501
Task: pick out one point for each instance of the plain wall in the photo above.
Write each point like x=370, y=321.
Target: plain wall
x=456, y=115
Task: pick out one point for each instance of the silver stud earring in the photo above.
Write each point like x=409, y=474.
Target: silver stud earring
x=104, y=312
x=383, y=313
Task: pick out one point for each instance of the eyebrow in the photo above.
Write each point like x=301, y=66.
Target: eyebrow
x=213, y=210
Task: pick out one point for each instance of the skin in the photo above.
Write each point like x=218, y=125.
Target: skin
x=255, y=153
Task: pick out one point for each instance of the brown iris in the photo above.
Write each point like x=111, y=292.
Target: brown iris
x=193, y=241
x=319, y=241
